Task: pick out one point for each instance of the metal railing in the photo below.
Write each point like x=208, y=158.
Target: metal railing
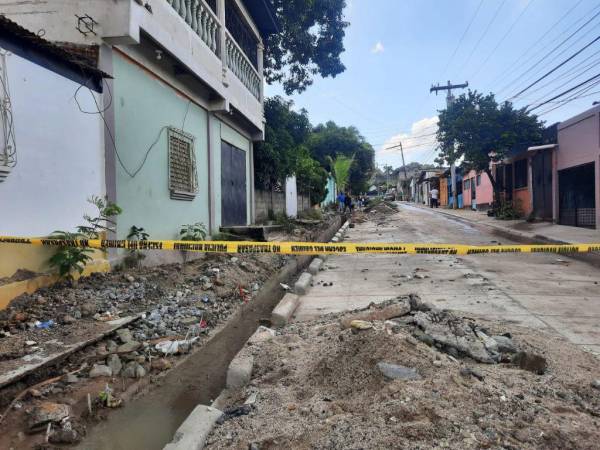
x=201, y=19
x=241, y=66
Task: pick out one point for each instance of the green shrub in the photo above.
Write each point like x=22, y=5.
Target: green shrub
x=69, y=259
x=311, y=214
x=135, y=257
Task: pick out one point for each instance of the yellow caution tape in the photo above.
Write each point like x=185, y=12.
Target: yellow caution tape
x=303, y=248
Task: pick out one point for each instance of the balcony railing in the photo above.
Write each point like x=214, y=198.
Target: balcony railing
x=241, y=66
x=201, y=18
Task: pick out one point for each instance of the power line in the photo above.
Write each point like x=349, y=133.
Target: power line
x=540, y=39
x=536, y=64
x=556, y=67
x=576, y=96
x=564, y=92
x=463, y=37
x=487, y=28
x=490, y=54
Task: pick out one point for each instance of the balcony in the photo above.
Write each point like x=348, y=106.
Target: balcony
x=241, y=46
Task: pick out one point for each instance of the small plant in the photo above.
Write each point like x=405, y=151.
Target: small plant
x=311, y=214
x=135, y=257
x=193, y=232
x=507, y=211
x=103, y=221
x=286, y=222
x=69, y=259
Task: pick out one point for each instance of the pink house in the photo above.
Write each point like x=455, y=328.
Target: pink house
x=576, y=171
x=477, y=190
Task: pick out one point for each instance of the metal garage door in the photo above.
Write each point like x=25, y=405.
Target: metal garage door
x=576, y=196
x=233, y=185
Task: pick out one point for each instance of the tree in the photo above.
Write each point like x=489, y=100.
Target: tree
x=284, y=152
x=482, y=132
x=330, y=140
x=286, y=133
x=310, y=43
x=340, y=166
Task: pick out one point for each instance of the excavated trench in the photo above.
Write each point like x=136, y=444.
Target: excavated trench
x=149, y=421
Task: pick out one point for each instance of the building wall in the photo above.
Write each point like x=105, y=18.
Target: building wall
x=484, y=193
x=267, y=200
x=60, y=153
x=578, y=143
x=144, y=107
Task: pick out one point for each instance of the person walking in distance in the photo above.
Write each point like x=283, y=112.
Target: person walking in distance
x=434, y=193
x=341, y=198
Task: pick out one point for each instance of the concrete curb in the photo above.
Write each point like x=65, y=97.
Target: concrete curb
x=302, y=286
x=194, y=431
x=239, y=373
x=285, y=309
x=315, y=266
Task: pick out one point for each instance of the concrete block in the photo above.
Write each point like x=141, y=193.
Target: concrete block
x=283, y=312
x=239, y=372
x=323, y=257
x=302, y=286
x=338, y=235
x=194, y=431
x=335, y=239
x=314, y=266
x=262, y=334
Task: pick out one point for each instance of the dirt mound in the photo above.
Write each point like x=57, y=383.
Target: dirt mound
x=322, y=386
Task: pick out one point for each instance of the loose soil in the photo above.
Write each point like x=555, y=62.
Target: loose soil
x=318, y=386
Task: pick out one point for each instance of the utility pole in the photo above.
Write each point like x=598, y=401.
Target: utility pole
x=449, y=101
x=402, y=153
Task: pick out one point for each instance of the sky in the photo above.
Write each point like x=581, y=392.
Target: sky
x=396, y=50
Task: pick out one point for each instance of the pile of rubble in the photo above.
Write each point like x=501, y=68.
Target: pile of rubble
x=406, y=375
x=164, y=311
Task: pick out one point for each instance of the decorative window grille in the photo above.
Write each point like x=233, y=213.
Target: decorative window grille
x=183, y=178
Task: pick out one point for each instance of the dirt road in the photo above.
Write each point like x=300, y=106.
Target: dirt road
x=546, y=291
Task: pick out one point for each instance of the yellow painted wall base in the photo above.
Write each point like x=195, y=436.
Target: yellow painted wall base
x=15, y=256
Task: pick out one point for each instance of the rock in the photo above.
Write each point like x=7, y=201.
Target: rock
x=128, y=347
x=66, y=435
x=531, y=362
x=134, y=370
x=360, y=325
x=437, y=363
x=47, y=412
x=111, y=346
x=467, y=372
x=114, y=362
x=67, y=319
x=100, y=370
x=35, y=393
x=129, y=278
x=234, y=259
x=125, y=335
x=423, y=337
x=490, y=344
x=88, y=309
x=30, y=343
x=505, y=344
x=596, y=384
x=71, y=378
x=187, y=321
x=397, y=372
x=161, y=364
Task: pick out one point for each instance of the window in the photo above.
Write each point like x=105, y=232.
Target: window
x=478, y=179
x=183, y=180
x=521, y=174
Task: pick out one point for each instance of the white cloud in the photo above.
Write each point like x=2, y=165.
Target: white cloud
x=418, y=144
x=378, y=48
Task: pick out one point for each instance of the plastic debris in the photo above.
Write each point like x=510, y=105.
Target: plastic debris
x=45, y=325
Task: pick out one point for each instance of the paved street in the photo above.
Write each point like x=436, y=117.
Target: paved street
x=538, y=290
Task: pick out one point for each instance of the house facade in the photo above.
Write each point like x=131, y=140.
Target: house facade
x=576, y=171
x=182, y=109
x=51, y=154
x=477, y=190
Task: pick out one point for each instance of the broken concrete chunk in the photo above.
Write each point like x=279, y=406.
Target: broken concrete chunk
x=134, y=370
x=125, y=335
x=397, y=372
x=505, y=344
x=395, y=310
x=100, y=370
x=114, y=362
x=47, y=412
x=128, y=347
